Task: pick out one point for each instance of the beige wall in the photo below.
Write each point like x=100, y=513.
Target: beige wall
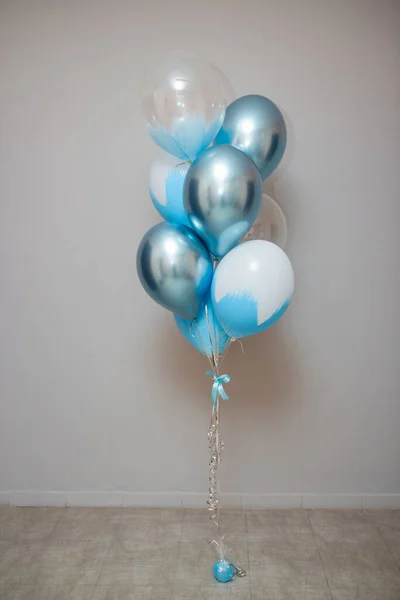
x=98, y=390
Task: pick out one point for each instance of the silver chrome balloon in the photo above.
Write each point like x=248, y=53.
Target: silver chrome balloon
x=255, y=125
x=222, y=195
x=175, y=268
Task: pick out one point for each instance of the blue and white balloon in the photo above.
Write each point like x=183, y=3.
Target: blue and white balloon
x=255, y=125
x=204, y=332
x=166, y=181
x=175, y=268
x=222, y=196
x=252, y=288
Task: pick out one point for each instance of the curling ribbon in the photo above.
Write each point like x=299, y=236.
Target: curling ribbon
x=218, y=387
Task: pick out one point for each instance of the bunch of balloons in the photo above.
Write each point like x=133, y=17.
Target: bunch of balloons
x=217, y=260
x=217, y=257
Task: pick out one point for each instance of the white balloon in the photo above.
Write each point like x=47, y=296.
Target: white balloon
x=252, y=287
x=270, y=224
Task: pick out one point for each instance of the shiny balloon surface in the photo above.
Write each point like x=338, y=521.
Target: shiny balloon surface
x=175, y=268
x=222, y=195
x=255, y=125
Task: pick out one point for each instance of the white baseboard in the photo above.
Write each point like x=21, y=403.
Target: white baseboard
x=198, y=500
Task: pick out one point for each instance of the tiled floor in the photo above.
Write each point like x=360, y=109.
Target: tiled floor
x=163, y=554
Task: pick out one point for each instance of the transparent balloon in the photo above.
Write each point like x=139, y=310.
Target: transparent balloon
x=229, y=92
x=270, y=224
x=184, y=102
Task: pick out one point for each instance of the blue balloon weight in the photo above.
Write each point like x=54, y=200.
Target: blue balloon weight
x=255, y=125
x=222, y=197
x=223, y=571
x=204, y=332
x=175, y=268
x=166, y=181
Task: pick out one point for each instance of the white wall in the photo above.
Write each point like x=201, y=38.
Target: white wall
x=99, y=393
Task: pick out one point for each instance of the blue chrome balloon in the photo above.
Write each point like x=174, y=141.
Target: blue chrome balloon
x=222, y=197
x=255, y=125
x=175, y=268
x=204, y=332
x=223, y=571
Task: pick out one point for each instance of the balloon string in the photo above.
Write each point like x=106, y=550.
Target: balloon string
x=216, y=446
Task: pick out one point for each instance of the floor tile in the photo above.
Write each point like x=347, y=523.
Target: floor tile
x=218, y=591
x=156, y=574
x=289, y=548
x=89, y=515
x=164, y=554
x=371, y=556
x=291, y=573
x=54, y=576
x=390, y=518
x=391, y=535
x=132, y=592
x=199, y=515
x=290, y=593
x=395, y=554
x=167, y=515
x=91, y=553
x=195, y=569
x=193, y=531
x=233, y=593
x=233, y=521
x=38, y=531
x=23, y=552
x=7, y=591
x=334, y=517
x=79, y=531
x=296, y=518
x=10, y=529
x=279, y=525
x=18, y=575
x=126, y=551
x=363, y=594
x=116, y=575
x=145, y=530
x=62, y=592
x=353, y=580
x=342, y=525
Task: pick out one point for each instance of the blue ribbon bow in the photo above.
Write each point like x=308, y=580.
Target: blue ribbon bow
x=218, y=387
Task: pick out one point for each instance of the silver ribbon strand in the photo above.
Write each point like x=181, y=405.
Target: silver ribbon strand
x=215, y=443
x=216, y=447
